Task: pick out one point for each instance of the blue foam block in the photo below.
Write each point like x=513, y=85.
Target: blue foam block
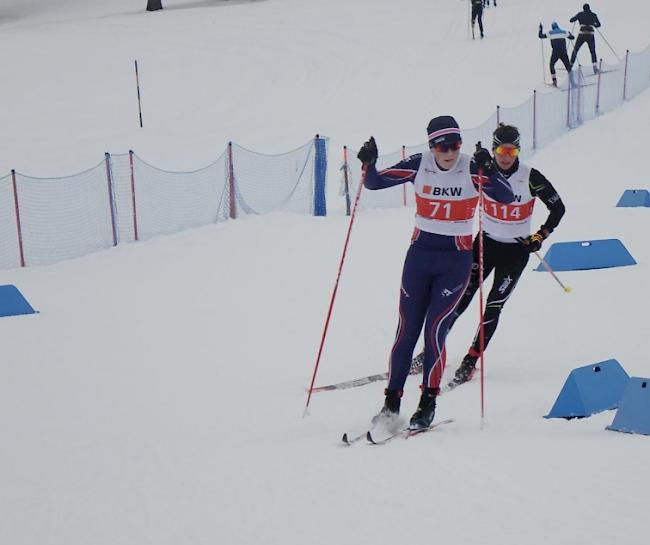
x=590, y=389
x=633, y=415
x=591, y=254
x=12, y=302
x=634, y=197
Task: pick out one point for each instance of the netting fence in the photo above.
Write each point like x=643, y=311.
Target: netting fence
x=542, y=118
x=125, y=199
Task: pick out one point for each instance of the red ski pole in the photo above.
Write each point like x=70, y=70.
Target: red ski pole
x=336, y=286
x=480, y=286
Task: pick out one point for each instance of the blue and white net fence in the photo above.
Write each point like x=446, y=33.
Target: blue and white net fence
x=124, y=199
x=541, y=119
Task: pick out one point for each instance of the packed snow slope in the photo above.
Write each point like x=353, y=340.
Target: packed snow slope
x=158, y=396
x=267, y=74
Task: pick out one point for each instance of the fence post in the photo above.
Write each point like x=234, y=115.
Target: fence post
x=579, y=89
x=404, y=185
x=568, y=103
x=346, y=180
x=320, y=176
x=627, y=56
x=18, y=225
x=600, y=71
x=232, y=198
x=535, y=119
x=135, y=214
x=111, y=199
x=498, y=115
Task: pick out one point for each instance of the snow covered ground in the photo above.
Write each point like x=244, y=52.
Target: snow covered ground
x=158, y=396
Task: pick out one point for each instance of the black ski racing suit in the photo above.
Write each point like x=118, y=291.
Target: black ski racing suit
x=588, y=22
x=507, y=260
x=477, y=12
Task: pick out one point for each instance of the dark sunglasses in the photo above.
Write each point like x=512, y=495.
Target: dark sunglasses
x=444, y=147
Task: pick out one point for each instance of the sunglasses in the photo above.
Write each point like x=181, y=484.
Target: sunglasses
x=510, y=151
x=445, y=147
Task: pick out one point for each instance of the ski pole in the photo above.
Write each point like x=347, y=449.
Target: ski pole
x=603, y=37
x=567, y=289
x=541, y=43
x=481, y=333
x=137, y=82
x=573, y=42
x=346, y=181
x=336, y=286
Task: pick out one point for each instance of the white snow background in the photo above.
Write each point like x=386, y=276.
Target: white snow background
x=158, y=396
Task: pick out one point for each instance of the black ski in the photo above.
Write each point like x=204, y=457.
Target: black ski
x=349, y=440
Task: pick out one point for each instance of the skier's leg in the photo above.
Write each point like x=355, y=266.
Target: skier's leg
x=591, y=42
x=592, y=49
x=553, y=62
x=579, y=41
x=511, y=264
x=467, y=297
x=450, y=282
x=413, y=302
x=565, y=61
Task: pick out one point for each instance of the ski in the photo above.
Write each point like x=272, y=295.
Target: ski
x=416, y=369
x=405, y=433
x=601, y=72
x=565, y=89
x=349, y=440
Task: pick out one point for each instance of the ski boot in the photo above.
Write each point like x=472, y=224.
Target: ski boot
x=465, y=371
x=423, y=416
x=390, y=411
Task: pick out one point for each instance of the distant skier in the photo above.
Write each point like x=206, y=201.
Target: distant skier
x=438, y=262
x=588, y=23
x=486, y=3
x=153, y=5
x=477, y=13
x=558, y=39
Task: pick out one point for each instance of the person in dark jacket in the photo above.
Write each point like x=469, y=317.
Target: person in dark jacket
x=558, y=39
x=507, y=239
x=588, y=24
x=477, y=13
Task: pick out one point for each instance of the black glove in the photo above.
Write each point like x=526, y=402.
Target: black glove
x=483, y=159
x=533, y=243
x=368, y=152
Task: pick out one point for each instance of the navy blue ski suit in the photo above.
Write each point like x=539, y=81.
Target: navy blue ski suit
x=435, y=274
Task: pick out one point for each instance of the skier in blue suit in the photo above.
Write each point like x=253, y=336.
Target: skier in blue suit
x=558, y=39
x=438, y=263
